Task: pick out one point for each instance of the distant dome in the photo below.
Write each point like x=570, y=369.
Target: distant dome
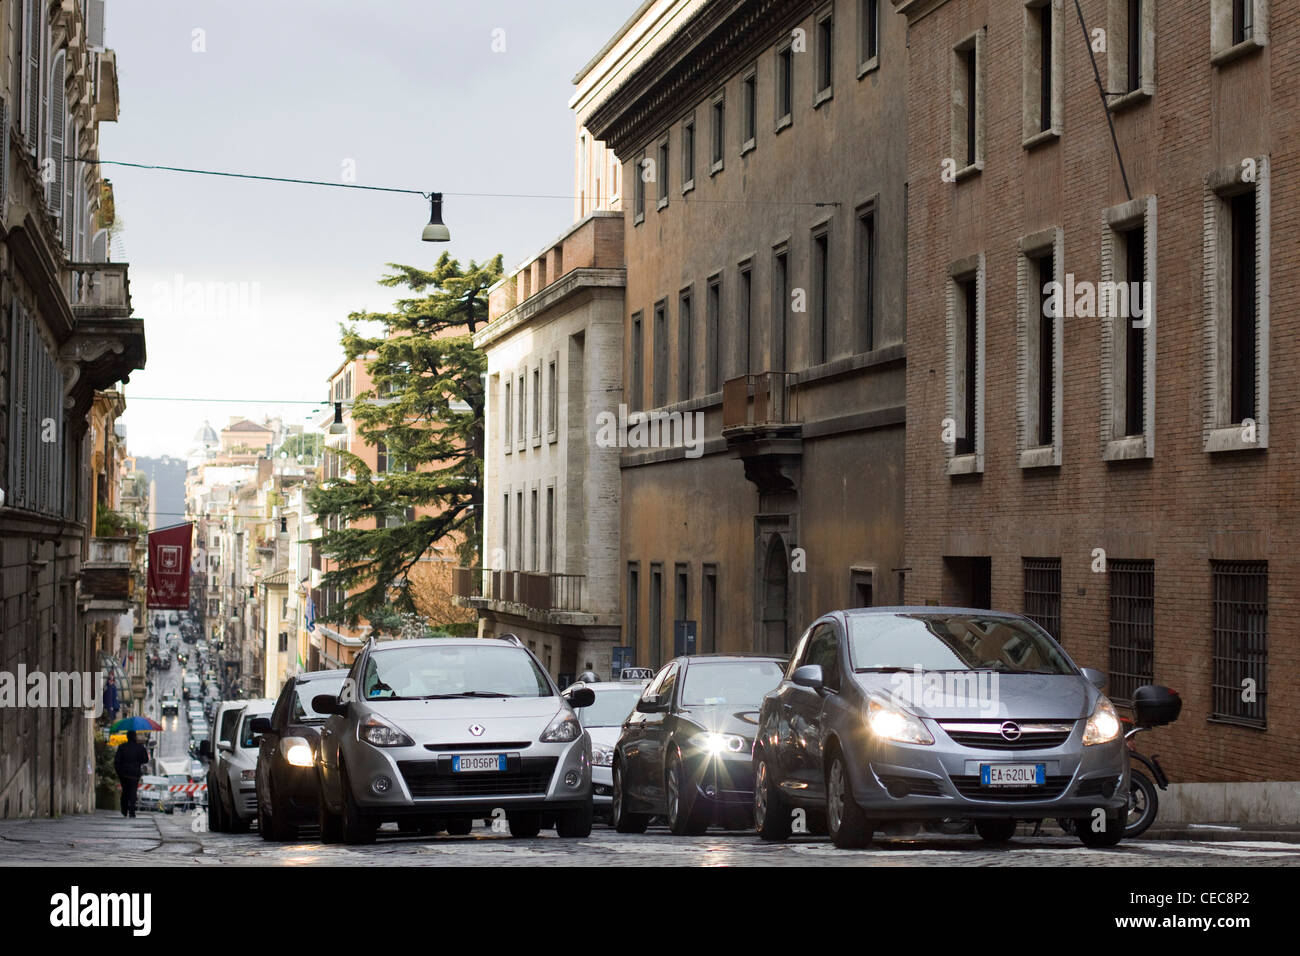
x=205, y=435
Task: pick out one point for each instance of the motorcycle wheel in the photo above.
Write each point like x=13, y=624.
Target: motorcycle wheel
x=1143, y=802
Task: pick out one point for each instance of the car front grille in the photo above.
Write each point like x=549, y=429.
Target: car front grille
x=478, y=745
x=988, y=735
x=969, y=787
x=429, y=778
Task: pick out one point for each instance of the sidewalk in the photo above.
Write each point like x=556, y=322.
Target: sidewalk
x=1218, y=832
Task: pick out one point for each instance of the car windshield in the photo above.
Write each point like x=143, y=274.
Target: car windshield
x=736, y=685
x=611, y=707
x=303, y=694
x=952, y=642
x=454, y=670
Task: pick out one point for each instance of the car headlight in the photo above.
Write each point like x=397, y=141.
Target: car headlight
x=602, y=756
x=247, y=776
x=718, y=743
x=1103, y=726
x=893, y=723
x=562, y=728
x=380, y=733
x=297, y=751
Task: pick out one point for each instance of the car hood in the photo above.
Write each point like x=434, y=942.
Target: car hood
x=986, y=695
x=720, y=721
x=502, y=719
x=604, y=736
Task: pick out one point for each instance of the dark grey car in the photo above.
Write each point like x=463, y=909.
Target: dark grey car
x=926, y=713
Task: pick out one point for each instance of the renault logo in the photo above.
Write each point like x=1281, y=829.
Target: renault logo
x=477, y=730
x=1011, y=730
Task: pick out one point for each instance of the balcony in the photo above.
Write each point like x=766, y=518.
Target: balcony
x=107, y=580
x=538, y=596
x=99, y=290
x=762, y=428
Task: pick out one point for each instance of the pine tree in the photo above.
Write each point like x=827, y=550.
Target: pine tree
x=426, y=407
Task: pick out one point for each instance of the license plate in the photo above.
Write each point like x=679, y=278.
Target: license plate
x=477, y=763
x=1013, y=774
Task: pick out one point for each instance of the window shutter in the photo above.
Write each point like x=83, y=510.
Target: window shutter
x=32, y=90
x=95, y=24
x=71, y=217
x=99, y=246
x=4, y=158
x=57, y=123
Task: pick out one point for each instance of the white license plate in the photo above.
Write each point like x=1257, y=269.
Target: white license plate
x=1013, y=774
x=478, y=763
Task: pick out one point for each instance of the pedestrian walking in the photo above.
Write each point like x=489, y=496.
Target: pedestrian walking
x=129, y=762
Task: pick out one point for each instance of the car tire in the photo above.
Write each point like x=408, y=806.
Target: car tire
x=848, y=825
x=771, y=815
x=524, y=824
x=995, y=831
x=686, y=817
x=1143, y=803
x=357, y=829
x=459, y=826
x=574, y=824
x=623, y=821
x=1108, y=837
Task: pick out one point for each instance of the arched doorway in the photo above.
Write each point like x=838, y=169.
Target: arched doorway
x=776, y=593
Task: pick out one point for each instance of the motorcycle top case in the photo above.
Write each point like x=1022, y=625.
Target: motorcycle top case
x=1154, y=705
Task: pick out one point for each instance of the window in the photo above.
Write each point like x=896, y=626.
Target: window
x=1130, y=52
x=637, y=381
x=744, y=317
x=712, y=356
x=1043, y=593
x=1239, y=687
x=821, y=295
x=656, y=611
x=861, y=591
x=865, y=279
x=1237, y=27
x=681, y=596
x=868, y=35
x=633, y=605
x=688, y=154
x=968, y=105
x=56, y=130
x=508, y=408
x=661, y=173
x=1132, y=627
x=1236, y=322
x=532, y=515
x=550, y=529
x=552, y=399
x=537, y=406
x=660, y=355
x=505, y=533
x=749, y=102
x=381, y=459
x=522, y=413
x=1039, y=343
x=1042, y=80
x=823, y=650
x=1126, y=306
x=709, y=610
x=519, y=531
x=784, y=86
x=965, y=420
x=685, y=358
x=825, y=34
x=719, y=112
x=780, y=305
x=638, y=190
x=37, y=468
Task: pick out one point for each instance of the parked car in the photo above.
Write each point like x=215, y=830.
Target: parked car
x=448, y=730
x=231, y=752
x=685, y=750
x=926, y=713
x=603, y=721
x=287, y=786
x=152, y=793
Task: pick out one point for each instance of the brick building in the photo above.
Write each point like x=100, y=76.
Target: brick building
x=1127, y=478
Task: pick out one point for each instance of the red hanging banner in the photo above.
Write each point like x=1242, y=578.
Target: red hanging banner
x=169, y=567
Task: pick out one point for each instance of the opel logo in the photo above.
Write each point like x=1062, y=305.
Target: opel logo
x=477, y=730
x=1011, y=730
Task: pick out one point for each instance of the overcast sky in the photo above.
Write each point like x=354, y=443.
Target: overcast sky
x=407, y=93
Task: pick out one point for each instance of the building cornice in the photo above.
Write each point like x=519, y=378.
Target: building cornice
x=563, y=288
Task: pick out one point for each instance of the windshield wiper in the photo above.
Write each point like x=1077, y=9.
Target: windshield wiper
x=468, y=693
x=882, y=670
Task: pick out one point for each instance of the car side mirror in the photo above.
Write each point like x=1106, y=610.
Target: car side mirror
x=581, y=697
x=205, y=750
x=810, y=676
x=327, y=704
x=651, y=705
x=260, y=725
x=1095, y=677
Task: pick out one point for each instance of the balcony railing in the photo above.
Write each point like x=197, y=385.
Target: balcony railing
x=538, y=591
x=765, y=398
x=100, y=287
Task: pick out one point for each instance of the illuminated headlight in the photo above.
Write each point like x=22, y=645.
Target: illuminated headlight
x=380, y=733
x=1103, y=726
x=297, y=751
x=893, y=723
x=248, y=776
x=602, y=756
x=718, y=743
x=563, y=728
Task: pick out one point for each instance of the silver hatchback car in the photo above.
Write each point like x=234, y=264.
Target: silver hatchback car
x=436, y=733
x=927, y=713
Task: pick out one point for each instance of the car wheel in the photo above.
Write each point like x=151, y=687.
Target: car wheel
x=574, y=824
x=771, y=816
x=264, y=822
x=1142, y=804
x=524, y=824
x=685, y=815
x=216, y=815
x=357, y=829
x=460, y=826
x=1108, y=837
x=995, y=831
x=623, y=821
x=845, y=820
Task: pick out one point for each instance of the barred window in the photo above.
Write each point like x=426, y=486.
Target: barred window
x=1240, y=631
x=1043, y=593
x=1132, y=627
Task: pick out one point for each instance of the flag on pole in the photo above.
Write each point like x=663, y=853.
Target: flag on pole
x=169, y=567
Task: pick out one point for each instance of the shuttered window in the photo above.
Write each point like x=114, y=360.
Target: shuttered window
x=52, y=168
x=36, y=428
x=33, y=36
